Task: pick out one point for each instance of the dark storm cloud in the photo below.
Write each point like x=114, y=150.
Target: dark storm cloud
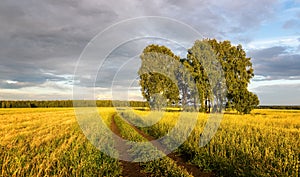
x=282, y=66
x=37, y=36
x=42, y=37
x=275, y=62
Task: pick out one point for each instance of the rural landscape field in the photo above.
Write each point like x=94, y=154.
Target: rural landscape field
x=162, y=88
x=49, y=142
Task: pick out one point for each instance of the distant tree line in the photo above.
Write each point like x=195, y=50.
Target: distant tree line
x=213, y=74
x=294, y=107
x=69, y=103
x=106, y=103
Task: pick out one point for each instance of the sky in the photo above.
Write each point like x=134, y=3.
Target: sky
x=43, y=44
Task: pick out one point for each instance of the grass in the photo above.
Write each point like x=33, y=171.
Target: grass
x=264, y=143
x=160, y=167
x=49, y=142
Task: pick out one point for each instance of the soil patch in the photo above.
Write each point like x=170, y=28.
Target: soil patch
x=129, y=169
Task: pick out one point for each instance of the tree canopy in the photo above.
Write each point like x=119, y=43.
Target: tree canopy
x=157, y=76
x=213, y=74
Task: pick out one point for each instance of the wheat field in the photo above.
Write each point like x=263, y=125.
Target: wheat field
x=49, y=142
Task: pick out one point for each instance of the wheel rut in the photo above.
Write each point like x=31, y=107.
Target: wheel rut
x=133, y=169
x=129, y=169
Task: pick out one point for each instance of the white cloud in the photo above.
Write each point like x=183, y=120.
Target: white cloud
x=287, y=41
x=11, y=82
x=281, y=82
x=48, y=90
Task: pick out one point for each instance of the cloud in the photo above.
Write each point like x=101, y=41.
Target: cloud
x=268, y=53
x=294, y=81
x=280, y=93
x=49, y=90
x=277, y=61
x=292, y=23
x=41, y=41
x=283, y=41
x=9, y=84
x=277, y=67
x=46, y=35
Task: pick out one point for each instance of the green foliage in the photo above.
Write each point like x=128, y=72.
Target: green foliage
x=157, y=76
x=69, y=103
x=238, y=71
x=218, y=70
x=245, y=102
x=279, y=107
x=207, y=73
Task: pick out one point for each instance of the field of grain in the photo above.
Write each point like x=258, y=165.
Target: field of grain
x=49, y=142
x=264, y=143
